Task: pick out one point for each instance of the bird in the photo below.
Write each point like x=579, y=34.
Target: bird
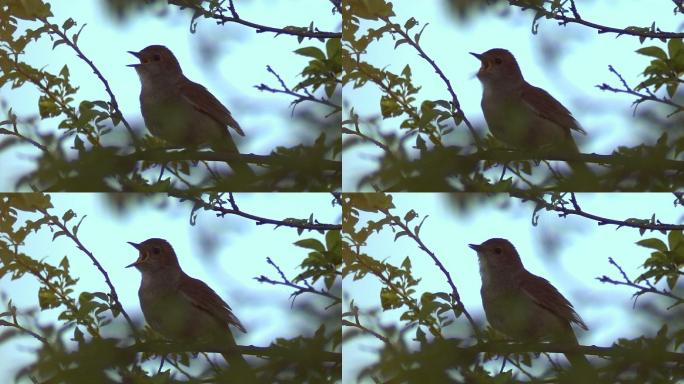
x=522, y=305
x=181, y=111
x=182, y=308
x=521, y=115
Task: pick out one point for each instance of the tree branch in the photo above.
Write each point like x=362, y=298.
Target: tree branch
x=647, y=95
x=302, y=32
x=565, y=211
x=396, y=28
x=300, y=97
x=112, y=99
x=163, y=348
x=188, y=155
x=300, y=289
x=629, y=162
x=217, y=205
x=54, y=220
x=635, y=355
x=641, y=289
x=652, y=32
x=454, y=292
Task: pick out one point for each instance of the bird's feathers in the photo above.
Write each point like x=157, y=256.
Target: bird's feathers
x=204, y=298
x=547, y=107
x=547, y=296
x=200, y=98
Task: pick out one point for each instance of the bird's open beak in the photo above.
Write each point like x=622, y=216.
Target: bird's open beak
x=475, y=247
x=136, y=54
x=483, y=63
x=137, y=246
x=477, y=55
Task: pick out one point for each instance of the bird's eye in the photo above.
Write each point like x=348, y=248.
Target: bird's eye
x=156, y=57
x=497, y=250
x=156, y=250
x=498, y=61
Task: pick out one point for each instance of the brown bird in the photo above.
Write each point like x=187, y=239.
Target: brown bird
x=180, y=307
x=180, y=111
x=522, y=305
x=522, y=115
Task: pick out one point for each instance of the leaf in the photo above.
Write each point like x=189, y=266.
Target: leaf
x=653, y=243
x=311, y=52
x=389, y=299
x=652, y=51
x=68, y=215
x=410, y=23
x=47, y=299
x=68, y=23
x=311, y=244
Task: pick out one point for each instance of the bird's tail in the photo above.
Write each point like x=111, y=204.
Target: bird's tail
x=582, y=371
x=236, y=360
x=238, y=165
x=240, y=370
x=582, y=177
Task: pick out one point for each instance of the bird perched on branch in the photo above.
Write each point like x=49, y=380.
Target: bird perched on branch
x=182, y=308
x=183, y=112
x=522, y=305
x=524, y=116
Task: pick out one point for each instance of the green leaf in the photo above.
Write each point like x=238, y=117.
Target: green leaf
x=652, y=51
x=389, y=107
x=674, y=46
x=674, y=239
x=389, y=299
x=311, y=244
x=311, y=52
x=653, y=243
x=410, y=23
x=47, y=107
x=47, y=299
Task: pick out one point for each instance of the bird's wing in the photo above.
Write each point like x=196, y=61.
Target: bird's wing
x=546, y=295
x=204, y=298
x=549, y=108
x=200, y=98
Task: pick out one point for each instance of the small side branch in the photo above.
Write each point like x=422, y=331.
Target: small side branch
x=305, y=287
x=305, y=95
x=71, y=234
x=301, y=32
x=217, y=205
x=646, y=95
x=574, y=17
x=454, y=291
x=642, y=289
x=574, y=209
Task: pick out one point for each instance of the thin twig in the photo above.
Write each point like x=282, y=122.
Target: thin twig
x=54, y=220
x=454, y=291
x=222, y=211
x=112, y=99
x=299, y=289
x=300, y=97
x=653, y=33
x=454, y=99
x=312, y=33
